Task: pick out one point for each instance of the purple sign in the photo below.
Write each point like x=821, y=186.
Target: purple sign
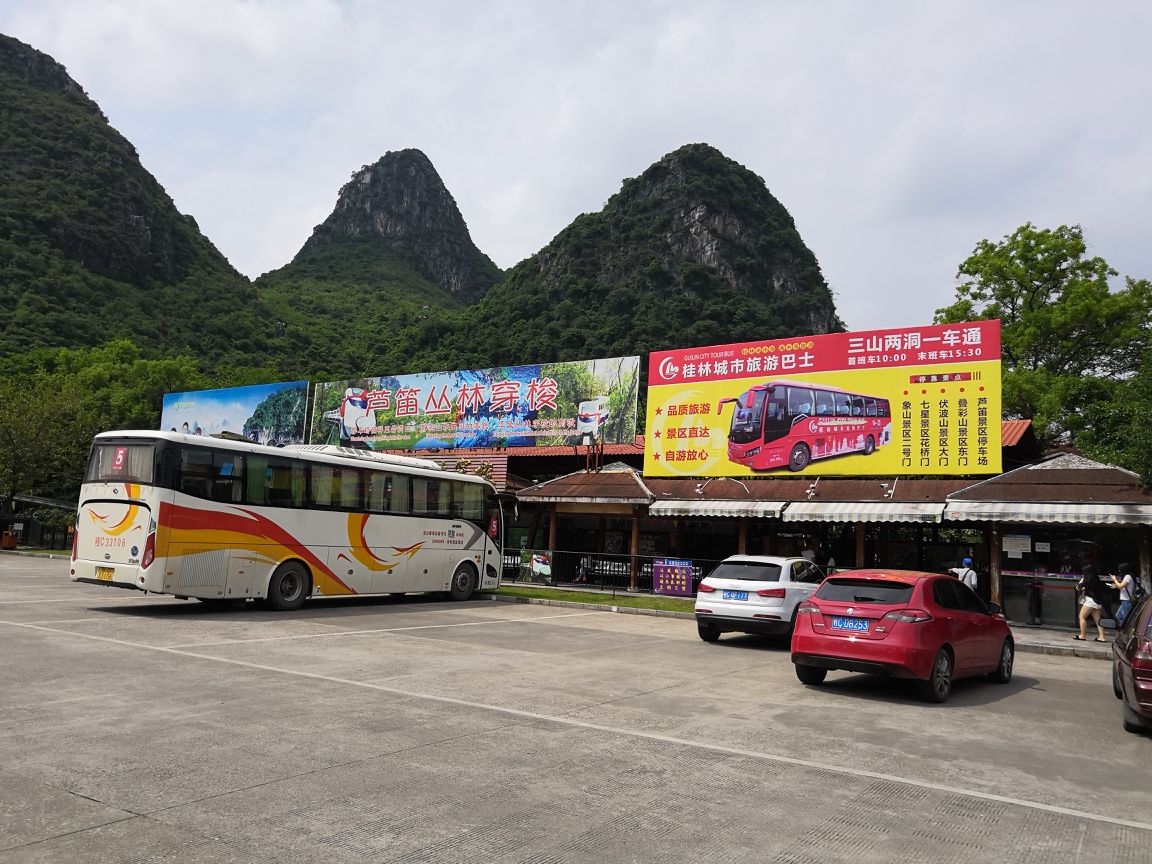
x=672, y=576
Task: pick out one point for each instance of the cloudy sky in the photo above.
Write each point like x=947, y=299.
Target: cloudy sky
x=898, y=133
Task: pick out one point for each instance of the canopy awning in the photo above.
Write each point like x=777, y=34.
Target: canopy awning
x=761, y=509
x=864, y=511
x=1049, y=511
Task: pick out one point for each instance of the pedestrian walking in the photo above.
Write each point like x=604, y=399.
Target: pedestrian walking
x=1091, y=602
x=1127, y=584
x=966, y=574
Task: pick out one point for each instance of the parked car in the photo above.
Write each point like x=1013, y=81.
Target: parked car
x=1132, y=666
x=754, y=594
x=903, y=624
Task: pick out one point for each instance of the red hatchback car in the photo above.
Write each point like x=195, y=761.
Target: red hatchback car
x=1132, y=667
x=903, y=624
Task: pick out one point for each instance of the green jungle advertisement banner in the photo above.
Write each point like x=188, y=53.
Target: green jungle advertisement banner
x=576, y=402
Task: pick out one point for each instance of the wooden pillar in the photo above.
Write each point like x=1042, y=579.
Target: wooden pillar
x=742, y=536
x=860, y=562
x=634, y=564
x=994, y=562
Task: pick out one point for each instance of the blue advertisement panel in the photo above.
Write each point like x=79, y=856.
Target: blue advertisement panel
x=575, y=402
x=264, y=413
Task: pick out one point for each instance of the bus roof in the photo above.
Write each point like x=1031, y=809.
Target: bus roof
x=809, y=385
x=307, y=452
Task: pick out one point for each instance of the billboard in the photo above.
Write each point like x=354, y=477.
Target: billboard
x=577, y=402
x=902, y=400
x=264, y=413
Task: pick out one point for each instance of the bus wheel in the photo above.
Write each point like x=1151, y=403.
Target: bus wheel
x=799, y=457
x=869, y=445
x=288, y=586
x=463, y=583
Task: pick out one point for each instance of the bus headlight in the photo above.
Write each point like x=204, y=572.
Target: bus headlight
x=755, y=451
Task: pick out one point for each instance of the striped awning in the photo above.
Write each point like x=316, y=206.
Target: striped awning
x=864, y=511
x=1049, y=511
x=761, y=509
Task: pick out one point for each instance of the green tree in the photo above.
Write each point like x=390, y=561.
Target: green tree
x=1067, y=339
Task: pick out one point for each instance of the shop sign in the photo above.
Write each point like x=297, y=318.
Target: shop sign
x=672, y=576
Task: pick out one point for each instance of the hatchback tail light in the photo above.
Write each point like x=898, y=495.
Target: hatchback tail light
x=807, y=607
x=907, y=616
x=771, y=592
x=705, y=588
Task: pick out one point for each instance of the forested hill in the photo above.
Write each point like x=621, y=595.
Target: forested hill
x=695, y=251
x=91, y=246
x=394, y=254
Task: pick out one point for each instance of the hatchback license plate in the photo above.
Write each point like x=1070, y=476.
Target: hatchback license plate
x=859, y=625
x=104, y=573
x=735, y=595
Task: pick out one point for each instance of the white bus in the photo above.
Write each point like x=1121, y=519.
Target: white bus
x=224, y=520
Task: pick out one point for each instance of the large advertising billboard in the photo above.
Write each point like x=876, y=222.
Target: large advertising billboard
x=264, y=413
x=897, y=401
x=577, y=402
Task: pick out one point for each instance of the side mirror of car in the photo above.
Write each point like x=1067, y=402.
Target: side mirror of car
x=995, y=609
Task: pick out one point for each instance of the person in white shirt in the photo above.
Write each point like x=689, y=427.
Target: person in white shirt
x=966, y=574
x=1125, y=583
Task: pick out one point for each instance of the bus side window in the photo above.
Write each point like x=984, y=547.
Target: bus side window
x=843, y=405
x=870, y=407
x=351, y=489
x=857, y=406
x=824, y=405
x=275, y=481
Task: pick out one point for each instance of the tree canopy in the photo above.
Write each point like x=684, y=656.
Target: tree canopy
x=1071, y=344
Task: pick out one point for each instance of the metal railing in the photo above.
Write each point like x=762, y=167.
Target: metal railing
x=600, y=570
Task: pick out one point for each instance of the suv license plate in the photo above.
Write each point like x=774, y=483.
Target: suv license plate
x=735, y=595
x=105, y=573
x=859, y=625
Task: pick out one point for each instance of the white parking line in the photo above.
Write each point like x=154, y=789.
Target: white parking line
x=599, y=727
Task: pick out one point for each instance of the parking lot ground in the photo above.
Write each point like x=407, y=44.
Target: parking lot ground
x=142, y=728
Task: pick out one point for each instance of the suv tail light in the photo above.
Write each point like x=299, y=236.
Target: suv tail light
x=907, y=616
x=705, y=588
x=771, y=592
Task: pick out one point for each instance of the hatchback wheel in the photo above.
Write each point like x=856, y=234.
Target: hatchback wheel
x=708, y=632
x=1003, y=673
x=810, y=674
x=938, y=686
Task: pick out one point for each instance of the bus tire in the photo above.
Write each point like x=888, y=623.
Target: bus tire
x=798, y=458
x=463, y=583
x=289, y=586
x=869, y=445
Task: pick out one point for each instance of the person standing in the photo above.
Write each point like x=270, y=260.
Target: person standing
x=966, y=574
x=1126, y=583
x=1091, y=603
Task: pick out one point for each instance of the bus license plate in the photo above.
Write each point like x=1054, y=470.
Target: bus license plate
x=104, y=573
x=860, y=625
x=735, y=595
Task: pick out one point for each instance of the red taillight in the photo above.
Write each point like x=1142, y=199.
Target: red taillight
x=771, y=592
x=705, y=588
x=1142, y=661
x=908, y=616
x=149, y=552
x=807, y=608
x=75, y=534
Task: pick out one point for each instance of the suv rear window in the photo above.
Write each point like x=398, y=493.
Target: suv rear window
x=749, y=571
x=864, y=591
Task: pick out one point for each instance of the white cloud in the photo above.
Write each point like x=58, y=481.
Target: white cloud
x=897, y=134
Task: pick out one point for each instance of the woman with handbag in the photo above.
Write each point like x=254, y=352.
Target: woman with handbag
x=1091, y=603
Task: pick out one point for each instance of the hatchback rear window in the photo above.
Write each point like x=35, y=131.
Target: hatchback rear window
x=865, y=591
x=749, y=571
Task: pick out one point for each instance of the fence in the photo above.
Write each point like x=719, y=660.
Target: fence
x=26, y=531
x=601, y=570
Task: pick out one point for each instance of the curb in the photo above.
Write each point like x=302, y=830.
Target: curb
x=24, y=554
x=1021, y=647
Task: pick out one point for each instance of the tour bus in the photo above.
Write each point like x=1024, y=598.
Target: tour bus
x=228, y=520
x=790, y=423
